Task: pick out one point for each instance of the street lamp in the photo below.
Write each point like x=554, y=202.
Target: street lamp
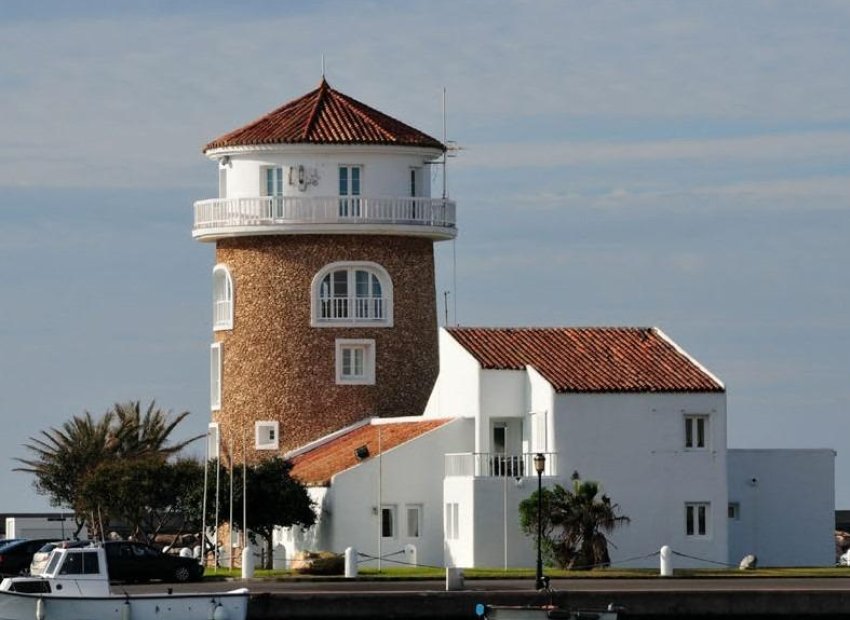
x=539, y=466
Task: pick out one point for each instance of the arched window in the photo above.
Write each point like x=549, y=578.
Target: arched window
x=352, y=293
x=222, y=298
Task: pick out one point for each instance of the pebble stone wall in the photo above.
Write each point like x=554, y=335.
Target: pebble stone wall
x=277, y=367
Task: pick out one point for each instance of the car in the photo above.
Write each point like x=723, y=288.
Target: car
x=39, y=559
x=15, y=557
x=129, y=560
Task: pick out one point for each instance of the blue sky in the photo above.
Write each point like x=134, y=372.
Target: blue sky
x=684, y=165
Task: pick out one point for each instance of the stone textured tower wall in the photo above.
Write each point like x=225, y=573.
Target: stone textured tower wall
x=276, y=366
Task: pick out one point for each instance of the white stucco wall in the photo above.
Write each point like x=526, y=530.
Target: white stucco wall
x=385, y=170
x=633, y=444
x=410, y=474
x=456, y=392
x=786, y=501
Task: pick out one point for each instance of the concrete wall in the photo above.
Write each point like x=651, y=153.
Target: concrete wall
x=633, y=444
x=786, y=501
x=456, y=392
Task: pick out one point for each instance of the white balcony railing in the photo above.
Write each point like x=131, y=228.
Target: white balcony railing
x=352, y=308
x=436, y=216
x=497, y=465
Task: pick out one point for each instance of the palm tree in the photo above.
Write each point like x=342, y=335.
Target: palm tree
x=62, y=458
x=575, y=523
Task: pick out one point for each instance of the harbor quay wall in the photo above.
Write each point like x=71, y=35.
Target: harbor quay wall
x=643, y=605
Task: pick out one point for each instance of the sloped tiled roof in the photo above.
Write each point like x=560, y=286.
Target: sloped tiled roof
x=590, y=359
x=325, y=116
x=316, y=467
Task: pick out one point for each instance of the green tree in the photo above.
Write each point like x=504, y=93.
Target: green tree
x=274, y=499
x=575, y=523
x=62, y=458
x=148, y=494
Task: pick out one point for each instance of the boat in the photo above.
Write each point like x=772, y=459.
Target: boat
x=542, y=612
x=75, y=586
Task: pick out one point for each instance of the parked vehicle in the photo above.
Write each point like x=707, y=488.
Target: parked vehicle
x=128, y=560
x=15, y=557
x=39, y=559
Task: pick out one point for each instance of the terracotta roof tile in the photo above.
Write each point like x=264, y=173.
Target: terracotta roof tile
x=316, y=467
x=325, y=116
x=590, y=359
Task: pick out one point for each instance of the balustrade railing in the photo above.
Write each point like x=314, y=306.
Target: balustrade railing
x=496, y=464
x=359, y=308
x=278, y=210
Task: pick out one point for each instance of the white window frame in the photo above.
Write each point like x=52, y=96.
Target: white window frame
x=691, y=435
x=351, y=319
x=276, y=178
x=266, y=435
x=410, y=509
x=733, y=511
x=215, y=376
x=353, y=345
x=392, y=511
x=213, y=441
x=452, y=517
x=692, y=519
x=223, y=294
x=349, y=196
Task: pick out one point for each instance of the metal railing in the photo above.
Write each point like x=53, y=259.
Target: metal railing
x=278, y=210
x=352, y=308
x=496, y=465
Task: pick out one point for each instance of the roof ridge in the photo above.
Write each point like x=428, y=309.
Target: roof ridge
x=355, y=107
x=318, y=105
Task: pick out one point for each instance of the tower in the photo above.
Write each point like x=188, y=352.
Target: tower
x=324, y=302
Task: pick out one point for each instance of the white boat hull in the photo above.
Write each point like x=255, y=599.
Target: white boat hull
x=218, y=606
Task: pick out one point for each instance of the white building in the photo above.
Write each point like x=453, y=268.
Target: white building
x=624, y=406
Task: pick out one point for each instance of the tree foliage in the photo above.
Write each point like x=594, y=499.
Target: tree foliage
x=574, y=523
x=63, y=460
x=274, y=499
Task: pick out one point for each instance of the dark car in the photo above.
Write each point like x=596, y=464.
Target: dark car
x=15, y=556
x=128, y=561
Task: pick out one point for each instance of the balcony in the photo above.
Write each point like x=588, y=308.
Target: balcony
x=497, y=465
x=272, y=215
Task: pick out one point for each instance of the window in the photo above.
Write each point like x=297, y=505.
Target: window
x=265, y=435
x=352, y=293
x=696, y=432
x=388, y=527
x=452, y=521
x=696, y=519
x=349, y=191
x=734, y=511
x=222, y=298
x=213, y=440
x=222, y=182
x=274, y=181
x=215, y=376
x=414, y=520
x=355, y=362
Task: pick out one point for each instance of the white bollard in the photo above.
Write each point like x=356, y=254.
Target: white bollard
x=454, y=578
x=279, y=557
x=666, y=556
x=350, y=563
x=410, y=555
x=247, y=562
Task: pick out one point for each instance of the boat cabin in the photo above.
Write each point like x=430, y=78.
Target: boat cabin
x=80, y=571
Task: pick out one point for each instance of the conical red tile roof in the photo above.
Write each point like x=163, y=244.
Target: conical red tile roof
x=590, y=359
x=325, y=116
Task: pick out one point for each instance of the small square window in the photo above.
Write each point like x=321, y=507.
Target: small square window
x=266, y=435
x=355, y=362
x=734, y=511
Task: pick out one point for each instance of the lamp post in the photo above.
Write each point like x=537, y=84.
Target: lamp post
x=539, y=466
